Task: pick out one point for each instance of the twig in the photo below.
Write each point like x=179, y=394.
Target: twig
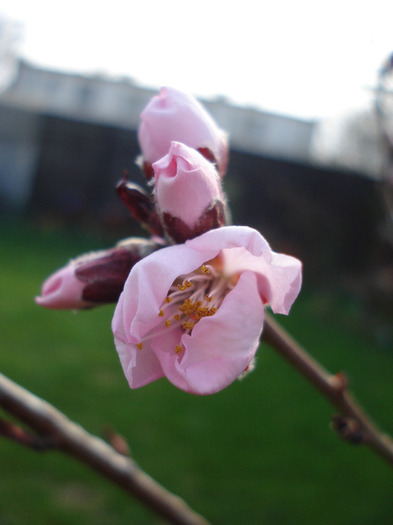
x=72, y=439
x=18, y=434
x=352, y=423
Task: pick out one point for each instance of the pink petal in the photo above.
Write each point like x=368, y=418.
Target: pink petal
x=229, y=237
x=279, y=275
x=173, y=115
x=62, y=290
x=139, y=366
x=186, y=184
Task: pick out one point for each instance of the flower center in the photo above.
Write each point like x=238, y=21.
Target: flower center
x=190, y=298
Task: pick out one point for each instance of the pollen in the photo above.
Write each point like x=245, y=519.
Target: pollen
x=188, y=325
x=188, y=307
x=205, y=269
x=139, y=346
x=178, y=349
x=168, y=300
x=168, y=323
x=209, y=299
x=161, y=313
x=177, y=317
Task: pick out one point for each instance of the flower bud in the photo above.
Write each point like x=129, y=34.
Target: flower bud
x=94, y=278
x=188, y=193
x=173, y=115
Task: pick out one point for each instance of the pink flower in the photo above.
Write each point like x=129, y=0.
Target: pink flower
x=194, y=312
x=173, y=115
x=188, y=193
x=94, y=278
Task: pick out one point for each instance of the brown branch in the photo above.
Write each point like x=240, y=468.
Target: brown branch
x=73, y=440
x=352, y=423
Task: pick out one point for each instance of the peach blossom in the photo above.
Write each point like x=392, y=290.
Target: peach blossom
x=194, y=312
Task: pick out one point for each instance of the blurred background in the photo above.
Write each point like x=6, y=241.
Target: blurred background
x=305, y=91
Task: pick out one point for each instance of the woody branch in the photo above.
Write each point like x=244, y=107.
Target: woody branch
x=61, y=433
x=353, y=424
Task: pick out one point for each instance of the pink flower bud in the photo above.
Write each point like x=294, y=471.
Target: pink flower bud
x=173, y=115
x=188, y=193
x=94, y=278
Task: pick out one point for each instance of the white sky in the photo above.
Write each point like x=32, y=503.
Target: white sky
x=304, y=58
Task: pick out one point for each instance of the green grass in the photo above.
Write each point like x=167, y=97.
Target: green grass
x=259, y=452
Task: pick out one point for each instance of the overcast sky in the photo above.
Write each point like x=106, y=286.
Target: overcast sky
x=303, y=58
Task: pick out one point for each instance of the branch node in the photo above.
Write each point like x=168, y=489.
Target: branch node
x=349, y=429
x=338, y=382
x=118, y=442
x=18, y=434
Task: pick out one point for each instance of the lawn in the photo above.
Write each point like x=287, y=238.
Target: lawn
x=261, y=451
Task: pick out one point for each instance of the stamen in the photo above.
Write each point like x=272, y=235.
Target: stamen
x=186, y=284
x=139, y=346
x=188, y=325
x=190, y=298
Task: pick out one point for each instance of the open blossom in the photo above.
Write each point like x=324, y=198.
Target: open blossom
x=188, y=193
x=94, y=278
x=194, y=312
x=173, y=115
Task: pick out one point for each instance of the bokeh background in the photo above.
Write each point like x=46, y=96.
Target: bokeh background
x=305, y=92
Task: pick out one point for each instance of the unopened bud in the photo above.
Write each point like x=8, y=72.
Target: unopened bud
x=176, y=116
x=94, y=278
x=189, y=196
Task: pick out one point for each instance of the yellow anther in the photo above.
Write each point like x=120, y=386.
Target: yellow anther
x=188, y=307
x=168, y=323
x=187, y=284
x=161, y=313
x=168, y=300
x=205, y=269
x=139, y=346
x=212, y=311
x=178, y=349
x=182, y=287
x=209, y=299
x=177, y=317
x=202, y=311
x=188, y=325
